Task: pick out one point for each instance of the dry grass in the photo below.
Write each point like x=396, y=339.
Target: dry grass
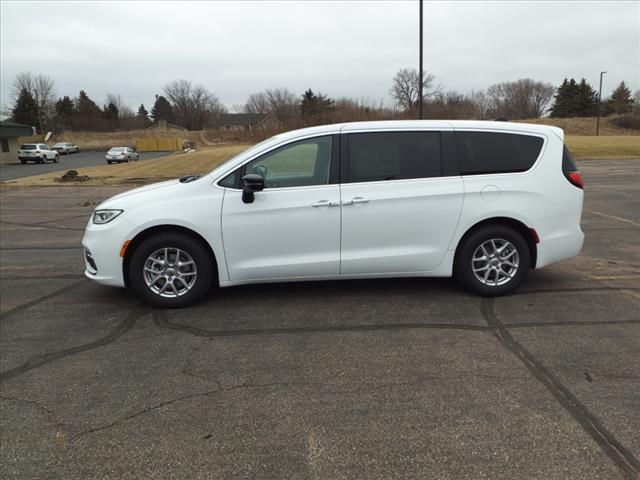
x=106, y=140
x=608, y=147
x=143, y=172
x=583, y=126
x=174, y=166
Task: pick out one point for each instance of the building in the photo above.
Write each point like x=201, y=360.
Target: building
x=9, y=133
x=242, y=121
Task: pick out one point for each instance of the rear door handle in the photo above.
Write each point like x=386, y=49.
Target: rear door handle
x=356, y=200
x=324, y=203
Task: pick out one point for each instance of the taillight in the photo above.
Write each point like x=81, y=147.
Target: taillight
x=575, y=178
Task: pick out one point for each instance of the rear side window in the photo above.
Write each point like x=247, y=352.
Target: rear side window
x=393, y=156
x=568, y=165
x=489, y=152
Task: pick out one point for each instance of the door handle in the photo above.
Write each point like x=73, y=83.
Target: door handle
x=356, y=200
x=324, y=203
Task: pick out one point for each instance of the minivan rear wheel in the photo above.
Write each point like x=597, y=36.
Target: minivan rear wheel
x=493, y=261
x=171, y=270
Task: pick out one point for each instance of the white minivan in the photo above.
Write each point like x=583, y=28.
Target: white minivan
x=481, y=201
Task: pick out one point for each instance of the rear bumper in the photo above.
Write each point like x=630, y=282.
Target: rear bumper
x=560, y=247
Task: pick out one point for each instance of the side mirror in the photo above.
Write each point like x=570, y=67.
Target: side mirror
x=251, y=183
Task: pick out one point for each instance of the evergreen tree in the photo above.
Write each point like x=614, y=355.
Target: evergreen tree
x=25, y=110
x=313, y=104
x=162, y=110
x=89, y=115
x=587, y=100
x=574, y=99
x=111, y=115
x=566, y=99
x=64, y=113
x=620, y=101
x=143, y=116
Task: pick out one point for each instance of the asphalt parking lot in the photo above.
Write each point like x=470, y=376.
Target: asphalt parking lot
x=11, y=171
x=382, y=379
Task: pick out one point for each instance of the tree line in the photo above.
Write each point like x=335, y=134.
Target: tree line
x=194, y=107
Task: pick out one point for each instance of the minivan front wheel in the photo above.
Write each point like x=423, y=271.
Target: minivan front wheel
x=493, y=261
x=171, y=270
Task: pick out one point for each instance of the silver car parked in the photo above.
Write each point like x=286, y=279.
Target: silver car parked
x=121, y=154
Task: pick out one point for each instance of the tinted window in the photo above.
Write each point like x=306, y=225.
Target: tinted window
x=28, y=147
x=230, y=181
x=568, y=165
x=485, y=152
x=394, y=156
x=297, y=164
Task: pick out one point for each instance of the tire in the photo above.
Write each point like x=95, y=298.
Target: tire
x=180, y=296
x=56, y=159
x=23, y=161
x=42, y=159
x=109, y=162
x=499, y=276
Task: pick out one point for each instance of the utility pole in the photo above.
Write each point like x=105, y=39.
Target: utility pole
x=420, y=69
x=599, y=105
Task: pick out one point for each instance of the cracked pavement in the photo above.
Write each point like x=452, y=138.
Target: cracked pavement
x=408, y=378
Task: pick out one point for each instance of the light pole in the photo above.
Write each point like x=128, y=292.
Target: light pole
x=420, y=69
x=599, y=105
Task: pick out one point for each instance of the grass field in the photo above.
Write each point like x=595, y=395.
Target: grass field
x=174, y=166
x=607, y=147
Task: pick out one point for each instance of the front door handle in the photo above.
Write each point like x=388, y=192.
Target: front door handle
x=324, y=203
x=356, y=200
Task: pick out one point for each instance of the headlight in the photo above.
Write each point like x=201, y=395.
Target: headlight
x=105, y=216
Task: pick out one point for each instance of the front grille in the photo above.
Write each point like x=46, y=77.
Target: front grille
x=90, y=262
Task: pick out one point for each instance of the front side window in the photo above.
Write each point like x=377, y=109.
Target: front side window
x=297, y=164
x=387, y=156
x=490, y=152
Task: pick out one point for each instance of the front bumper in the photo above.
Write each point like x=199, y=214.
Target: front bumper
x=102, y=244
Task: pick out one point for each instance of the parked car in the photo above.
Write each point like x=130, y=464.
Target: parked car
x=121, y=154
x=37, y=152
x=65, y=148
x=481, y=201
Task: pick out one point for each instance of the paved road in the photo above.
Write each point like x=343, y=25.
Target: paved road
x=356, y=379
x=67, y=162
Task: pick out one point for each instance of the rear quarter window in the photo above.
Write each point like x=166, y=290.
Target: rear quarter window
x=490, y=152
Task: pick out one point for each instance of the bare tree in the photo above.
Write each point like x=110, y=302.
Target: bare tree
x=126, y=115
x=406, y=86
x=257, y=103
x=280, y=103
x=524, y=98
x=480, y=103
x=42, y=88
x=194, y=106
x=283, y=104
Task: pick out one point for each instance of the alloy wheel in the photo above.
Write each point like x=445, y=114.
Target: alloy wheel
x=170, y=272
x=495, y=262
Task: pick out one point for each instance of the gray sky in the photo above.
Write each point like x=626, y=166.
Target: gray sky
x=340, y=48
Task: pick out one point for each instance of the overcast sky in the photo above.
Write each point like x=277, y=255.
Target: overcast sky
x=339, y=48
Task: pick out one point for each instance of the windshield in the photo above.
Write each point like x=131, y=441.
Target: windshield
x=28, y=147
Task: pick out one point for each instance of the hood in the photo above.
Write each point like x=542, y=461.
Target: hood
x=138, y=194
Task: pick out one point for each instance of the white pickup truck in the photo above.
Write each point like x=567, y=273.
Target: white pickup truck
x=37, y=152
